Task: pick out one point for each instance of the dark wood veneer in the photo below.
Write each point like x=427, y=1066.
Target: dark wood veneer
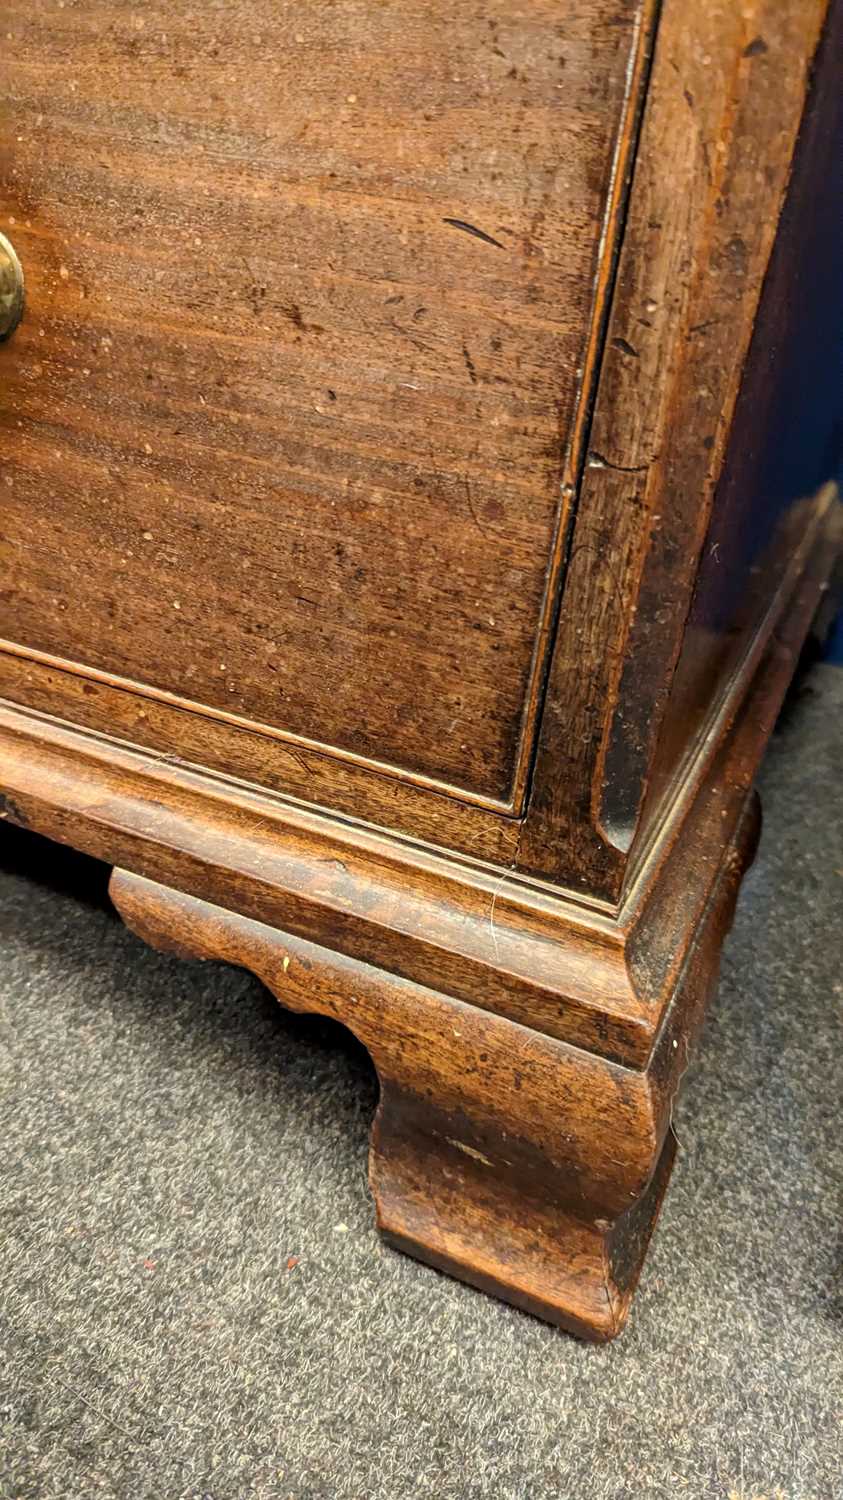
x=310, y=312
x=388, y=381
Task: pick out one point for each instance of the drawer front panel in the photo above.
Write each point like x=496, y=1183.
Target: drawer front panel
x=310, y=292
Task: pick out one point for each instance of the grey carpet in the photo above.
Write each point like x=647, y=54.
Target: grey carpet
x=193, y=1299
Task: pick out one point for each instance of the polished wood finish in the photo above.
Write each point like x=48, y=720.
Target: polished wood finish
x=311, y=297
x=523, y=1137
x=602, y=982
x=481, y=1156
x=727, y=93
x=786, y=439
x=526, y=1166
x=358, y=560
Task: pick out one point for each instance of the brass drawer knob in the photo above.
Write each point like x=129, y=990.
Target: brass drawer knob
x=11, y=289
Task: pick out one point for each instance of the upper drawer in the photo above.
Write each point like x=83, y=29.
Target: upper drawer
x=310, y=299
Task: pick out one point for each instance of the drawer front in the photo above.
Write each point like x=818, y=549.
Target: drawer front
x=310, y=309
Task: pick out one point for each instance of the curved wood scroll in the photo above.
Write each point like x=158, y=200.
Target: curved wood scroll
x=523, y=1165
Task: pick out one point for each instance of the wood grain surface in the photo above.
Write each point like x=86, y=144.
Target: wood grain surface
x=310, y=296
x=141, y=590
x=786, y=439
x=602, y=981
x=525, y=1166
x=529, y=1164
x=337, y=315
x=727, y=93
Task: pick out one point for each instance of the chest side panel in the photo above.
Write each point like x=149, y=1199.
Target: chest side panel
x=786, y=444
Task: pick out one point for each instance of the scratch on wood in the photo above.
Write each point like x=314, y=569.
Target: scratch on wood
x=469, y=1151
x=477, y=521
x=405, y=333
x=292, y=311
x=597, y=461
x=479, y=234
x=496, y=892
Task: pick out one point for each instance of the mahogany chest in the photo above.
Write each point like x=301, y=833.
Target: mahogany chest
x=418, y=447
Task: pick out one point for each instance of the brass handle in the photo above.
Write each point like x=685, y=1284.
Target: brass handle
x=11, y=289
